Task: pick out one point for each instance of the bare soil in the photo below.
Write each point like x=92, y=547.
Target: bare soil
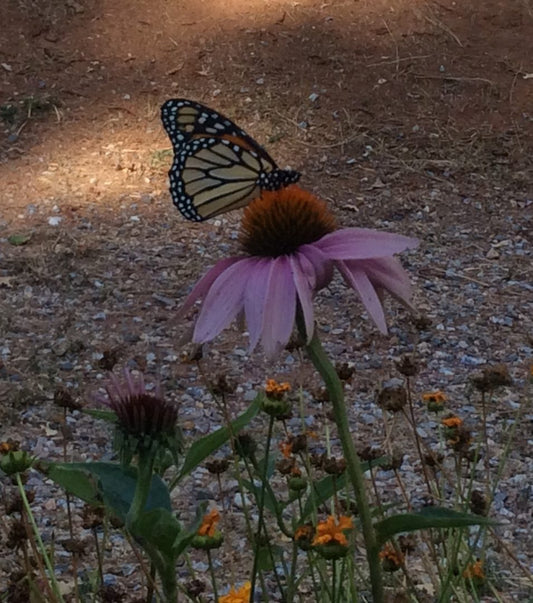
x=412, y=116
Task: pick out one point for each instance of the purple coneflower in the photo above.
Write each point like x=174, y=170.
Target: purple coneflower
x=139, y=411
x=290, y=247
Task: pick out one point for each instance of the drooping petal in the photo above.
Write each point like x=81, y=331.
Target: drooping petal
x=254, y=300
x=322, y=265
x=305, y=281
x=389, y=274
x=357, y=278
x=280, y=307
x=203, y=285
x=362, y=243
x=223, y=301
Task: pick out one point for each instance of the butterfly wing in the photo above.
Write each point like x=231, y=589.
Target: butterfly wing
x=217, y=167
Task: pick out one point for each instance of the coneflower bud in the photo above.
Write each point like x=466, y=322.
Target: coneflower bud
x=141, y=413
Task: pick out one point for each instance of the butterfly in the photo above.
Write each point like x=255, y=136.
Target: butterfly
x=217, y=167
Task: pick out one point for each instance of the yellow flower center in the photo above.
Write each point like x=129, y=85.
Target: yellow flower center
x=279, y=222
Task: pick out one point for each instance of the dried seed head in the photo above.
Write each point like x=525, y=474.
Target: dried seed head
x=395, y=461
x=63, y=398
x=298, y=443
x=392, y=396
x=334, y=466
x=370, y=453
x=478, y=503
x=491, y=378
x=407, y=365
x=109, y=359
x=17, y=535
x=345, y=371
x=285, y=466
x=195, y=588
x=223, y=385
x=317, y=460
x=433, y=459
x=422, y=322
x=92, y=517
x=217, y=466
x=407, y=543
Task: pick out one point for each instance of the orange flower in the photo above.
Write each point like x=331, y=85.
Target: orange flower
x=474, y=571
x=303, y=532
x=452, y=422
x=391, y=558
x=333, y=531
x=209, y=524
x=237, y=596
x=276, y=390
x=437, y=397
x=286, y=449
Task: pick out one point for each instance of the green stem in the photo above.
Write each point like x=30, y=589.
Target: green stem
x=212, y=574
x=353, y=463
x=35, y=529
x=145, y=471
x=165, y=567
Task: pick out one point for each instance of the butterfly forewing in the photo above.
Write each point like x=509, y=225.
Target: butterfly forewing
x=217, y=167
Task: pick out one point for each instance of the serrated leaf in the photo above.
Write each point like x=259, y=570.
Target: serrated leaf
x=19, y=239
x=205, y=446
x=429, y=517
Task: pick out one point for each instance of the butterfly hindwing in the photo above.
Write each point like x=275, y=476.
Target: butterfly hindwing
x=217, y=167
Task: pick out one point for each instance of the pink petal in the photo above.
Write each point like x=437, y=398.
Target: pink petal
x=254, y=300
x=223, y=301
x=389, y=274
x=279, y=308
x=358, y=280
x=203, y=285
x=362, y=243
x=304, y=277
x=322, y=265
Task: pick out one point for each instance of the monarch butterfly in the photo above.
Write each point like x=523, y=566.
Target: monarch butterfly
x=217, y=167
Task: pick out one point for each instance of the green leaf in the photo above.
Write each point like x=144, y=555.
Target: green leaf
x=266, y=557
x=109, y=483
x=429, y=517
x=205, y=446
x=19, y=239
x=100, y=413
x=160, y=528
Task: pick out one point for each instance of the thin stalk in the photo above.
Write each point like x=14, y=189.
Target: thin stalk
x=212, y=574
x=354, y=468
x=333, y=580
x=98, y=557
x=260, y=521
x=37, y=535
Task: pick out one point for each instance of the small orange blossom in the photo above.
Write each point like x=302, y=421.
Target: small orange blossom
x=333, y=531
x=209, y=524
x=237, y=596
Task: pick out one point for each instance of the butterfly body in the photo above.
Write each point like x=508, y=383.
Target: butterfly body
x=217, y=167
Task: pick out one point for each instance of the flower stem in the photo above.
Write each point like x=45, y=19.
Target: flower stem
x=145, y=471
x=48, y=563
x=353, y=464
